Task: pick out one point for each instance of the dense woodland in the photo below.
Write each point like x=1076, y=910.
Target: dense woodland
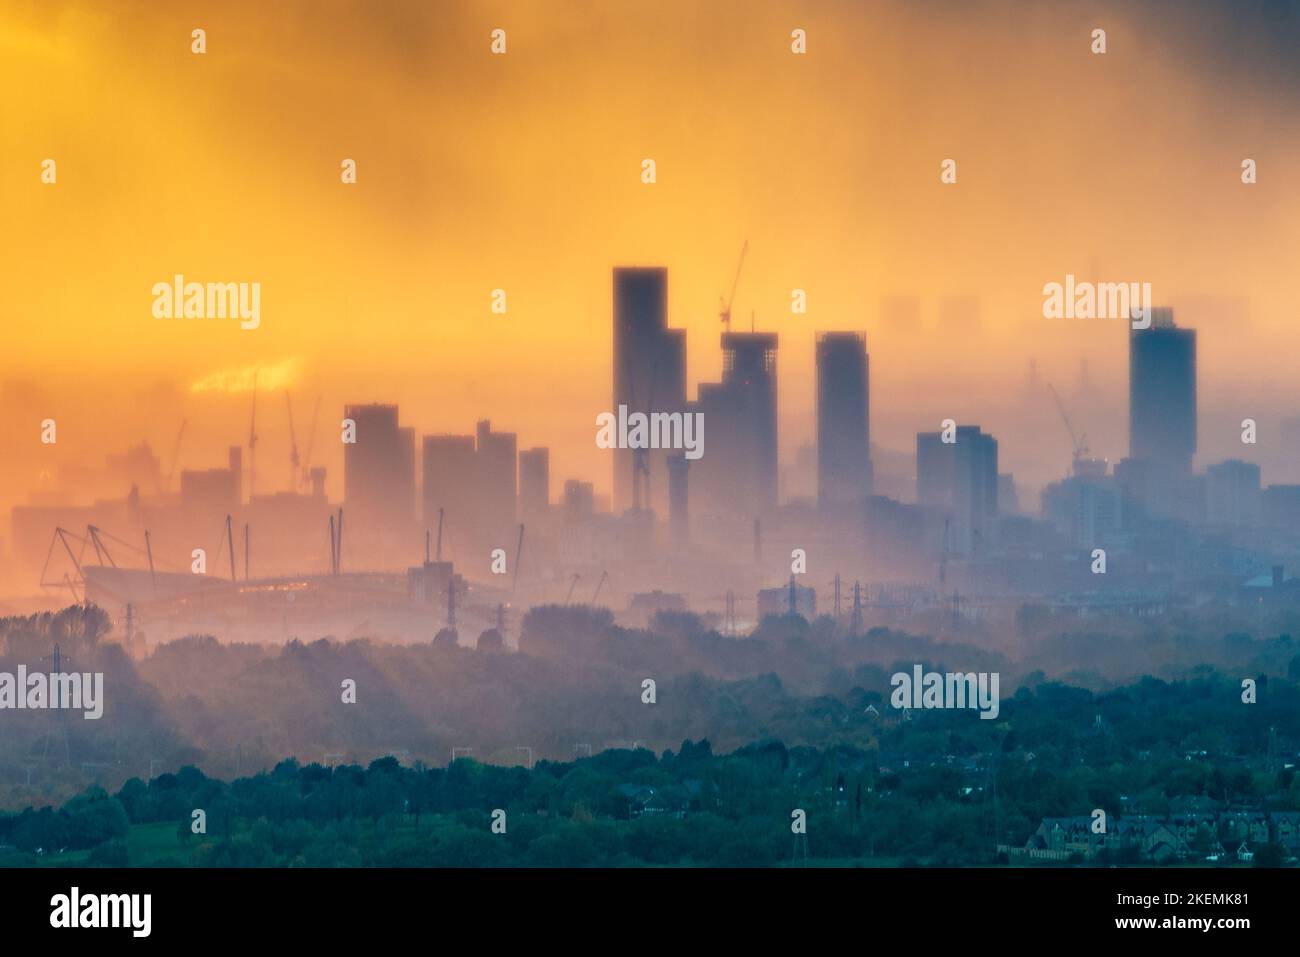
x=795, y=715
x=922, y=800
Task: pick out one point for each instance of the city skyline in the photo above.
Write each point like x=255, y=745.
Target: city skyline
x=400, y=485
x=583, y=435
x=397, y=306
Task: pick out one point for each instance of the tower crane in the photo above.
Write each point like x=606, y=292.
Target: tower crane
x=176, y=452
x=294, y=477
x=252, y=441
x=311, y=444
x=1079, y=444
x=724, y=307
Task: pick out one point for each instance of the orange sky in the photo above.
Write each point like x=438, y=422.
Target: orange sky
x=521, y=172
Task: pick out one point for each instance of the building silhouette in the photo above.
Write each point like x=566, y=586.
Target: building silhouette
x=450, y=483
x=214, y=491
x=1232, y=493
x=379, y=487
x=579, y=501
x=649, y=376
x=534, y=482
x=960, y=477
x=497, y=486
x=843, y=420
x=472, y=479
x=1162, y=394
x=738, y=474
x=1087, y=509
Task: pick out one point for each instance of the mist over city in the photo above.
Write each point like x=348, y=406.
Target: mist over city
x=573, y=435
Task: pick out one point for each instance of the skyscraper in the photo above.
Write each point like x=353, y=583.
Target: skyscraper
x=379, y=486
x=1162, y=394
x=737, y=474
x=649, y=376
x=961, y=477
x=497, y=488
x=450, y=484
x=843, y=419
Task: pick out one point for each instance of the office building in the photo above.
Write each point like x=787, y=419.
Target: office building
x=1232, y=493
x=843, y=422
x=214, y=491
x=649, y=376
x=1162, y=394
x=450, y=486
x=960, y=477
x=737, y=474
x=379, y=488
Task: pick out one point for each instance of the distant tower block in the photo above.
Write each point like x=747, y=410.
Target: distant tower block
x=534, y=482
x=679, y=497
x=738, y=474
x=843, y=421
x=379, y=485
x=649, y=370
x=1162, y=394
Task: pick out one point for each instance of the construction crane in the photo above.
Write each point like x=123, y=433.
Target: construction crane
x=724, y=306
x=294, y=475
x=311, y=444
x=572, y=585
x=336, y=542
x=148, y=549
x=252, y=441
x=101, y=549
x=519, y=554
x=176, y=452
x=1079, y=444
x=230, y=546
x=338, y=546
x=603, y=576
x=334, y=554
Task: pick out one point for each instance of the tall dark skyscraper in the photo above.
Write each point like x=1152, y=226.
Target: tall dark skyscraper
x=961, y=477
x=649, y=376
x=1162, y=394
x=379, y=487
x=737, y=475
x=843, y=419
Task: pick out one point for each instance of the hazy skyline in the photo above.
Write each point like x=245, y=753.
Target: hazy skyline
x=522, y=172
